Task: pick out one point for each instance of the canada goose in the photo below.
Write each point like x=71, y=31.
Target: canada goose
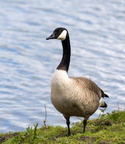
x=73, y=96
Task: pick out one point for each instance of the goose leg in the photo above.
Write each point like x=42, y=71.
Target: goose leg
x=68, y=125
x=84, y=125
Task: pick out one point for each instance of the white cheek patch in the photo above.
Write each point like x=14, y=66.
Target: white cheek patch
x=62, y=36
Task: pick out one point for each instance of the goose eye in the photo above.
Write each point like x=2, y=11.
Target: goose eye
x=59, y=32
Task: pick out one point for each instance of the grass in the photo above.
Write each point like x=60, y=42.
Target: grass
x=107, y=129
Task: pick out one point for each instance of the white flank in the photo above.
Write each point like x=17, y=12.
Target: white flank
x=62, y=36
x=101, y=102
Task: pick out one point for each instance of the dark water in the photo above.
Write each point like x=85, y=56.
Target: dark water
x=27, y=60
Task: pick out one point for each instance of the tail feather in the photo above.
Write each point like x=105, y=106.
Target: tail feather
x=103, y=94
x=104, y=105
x=101, y=102
x=106, y=96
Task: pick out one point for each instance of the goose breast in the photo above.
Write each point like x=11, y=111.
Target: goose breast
x=71, y=96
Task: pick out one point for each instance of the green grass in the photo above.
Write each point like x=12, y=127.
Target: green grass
x=107, y=129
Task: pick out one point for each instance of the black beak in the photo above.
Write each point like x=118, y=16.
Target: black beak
x=51, y=37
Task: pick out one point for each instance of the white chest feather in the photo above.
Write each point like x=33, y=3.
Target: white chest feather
x=61, y=92
x=60, y=81
x=61, y=88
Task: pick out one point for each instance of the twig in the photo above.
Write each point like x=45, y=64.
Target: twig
x=45, y=115
x=118, y=106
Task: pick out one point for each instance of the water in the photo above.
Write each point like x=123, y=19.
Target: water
x=27, y=60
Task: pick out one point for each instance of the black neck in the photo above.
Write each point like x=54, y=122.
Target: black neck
x=64, y=64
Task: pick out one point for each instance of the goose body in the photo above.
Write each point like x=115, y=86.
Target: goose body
x=73, y=96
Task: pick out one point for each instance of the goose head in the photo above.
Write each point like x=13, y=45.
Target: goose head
x=59, y=33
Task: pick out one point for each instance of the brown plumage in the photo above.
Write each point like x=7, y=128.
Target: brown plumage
x=73, y=96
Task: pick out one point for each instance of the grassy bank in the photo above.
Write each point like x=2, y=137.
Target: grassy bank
x=107, y=129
